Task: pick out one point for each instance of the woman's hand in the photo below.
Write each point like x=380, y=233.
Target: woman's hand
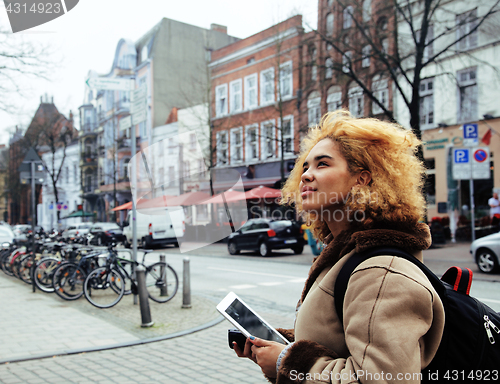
x=262, y=352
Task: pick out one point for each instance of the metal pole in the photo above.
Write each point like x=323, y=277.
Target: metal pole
x=32, y=163
x=186, y=285
x=143, y=297
x=472, y=214
x=163, y=274
x=134, y=208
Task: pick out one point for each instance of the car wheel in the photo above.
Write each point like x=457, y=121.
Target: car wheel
x=264, y=249
x=233, y=250
x=298, y=249
x=486, y=260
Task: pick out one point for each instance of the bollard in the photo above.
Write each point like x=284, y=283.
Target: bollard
x=186, y=285
x=163, y=274
x=143, y=297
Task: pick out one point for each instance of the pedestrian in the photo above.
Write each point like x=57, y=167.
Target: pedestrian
x=494, y=204
x=359, y=185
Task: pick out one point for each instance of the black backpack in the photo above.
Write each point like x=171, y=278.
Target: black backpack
x=470, y=347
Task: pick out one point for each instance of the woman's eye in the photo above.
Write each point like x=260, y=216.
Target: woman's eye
x=304, y=170
x=322, y=163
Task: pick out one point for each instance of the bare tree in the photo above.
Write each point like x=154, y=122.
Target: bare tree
x=20, y=60
x=398, y=42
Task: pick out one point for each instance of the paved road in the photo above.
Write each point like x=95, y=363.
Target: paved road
x=38, y=323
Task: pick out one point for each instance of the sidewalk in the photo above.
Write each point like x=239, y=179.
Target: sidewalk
x=40, y=324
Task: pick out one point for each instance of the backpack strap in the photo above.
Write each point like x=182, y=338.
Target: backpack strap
x=459, y=278
x=357, y=258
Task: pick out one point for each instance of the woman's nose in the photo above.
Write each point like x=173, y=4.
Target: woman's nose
x=307, y=176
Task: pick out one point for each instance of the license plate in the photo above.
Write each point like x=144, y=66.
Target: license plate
x=290, y=241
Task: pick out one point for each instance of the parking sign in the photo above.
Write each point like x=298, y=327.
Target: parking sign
x=471, y=163
x=471, y=134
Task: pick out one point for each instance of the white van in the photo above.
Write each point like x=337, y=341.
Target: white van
x=156, y=227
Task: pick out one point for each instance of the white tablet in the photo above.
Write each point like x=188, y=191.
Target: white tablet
x=246, y=320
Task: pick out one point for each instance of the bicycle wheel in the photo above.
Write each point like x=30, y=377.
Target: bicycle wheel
x=24, y=268
x=162, y=282
x=6, y=265
x=68, y=281
x=127, y=271
x=104, y=287
x=44, y=274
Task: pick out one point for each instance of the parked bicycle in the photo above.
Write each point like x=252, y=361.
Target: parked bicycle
x=105, y=286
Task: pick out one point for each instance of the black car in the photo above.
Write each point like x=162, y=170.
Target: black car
x=105, y=233
x=264, y=235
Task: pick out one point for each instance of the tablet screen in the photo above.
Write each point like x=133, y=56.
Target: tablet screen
x=248, y=320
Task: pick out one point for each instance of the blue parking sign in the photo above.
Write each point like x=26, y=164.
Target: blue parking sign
x=461, y=156
x=470, y=131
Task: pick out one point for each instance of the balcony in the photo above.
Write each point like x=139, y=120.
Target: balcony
x=88, y=129
x=124, y=142
x=88, y=159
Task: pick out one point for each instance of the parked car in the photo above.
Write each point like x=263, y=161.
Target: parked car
x=264, y=235
x=77, y=230
x=156, y=228
x=485, y=252
x=104, y=234
x=21, y=231
x=6, y=235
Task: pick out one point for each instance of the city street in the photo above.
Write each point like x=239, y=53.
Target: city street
x=270, y=285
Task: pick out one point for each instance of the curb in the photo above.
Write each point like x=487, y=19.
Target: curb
x=174, y=335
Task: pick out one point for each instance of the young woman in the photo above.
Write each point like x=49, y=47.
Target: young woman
x=359, y=183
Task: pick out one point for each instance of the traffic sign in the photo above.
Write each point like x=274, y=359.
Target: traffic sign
x=139, y=117
x=471, y=163
x=471, y=134
x=110, y=83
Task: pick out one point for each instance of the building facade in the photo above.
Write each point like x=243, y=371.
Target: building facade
x=169, y=62
x=254, y=109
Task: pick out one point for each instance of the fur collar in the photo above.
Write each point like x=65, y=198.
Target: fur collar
x=412, y=239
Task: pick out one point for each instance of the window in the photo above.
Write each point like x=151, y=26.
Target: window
x=66, y=171
x=356, y=101
x=348, y=11
x=467, y=84
x=75, y=173
x=267, y=86
x=367, y=10
x=346, y=62
x=192, y=141
x=314, y=108
x=252, y=141
x=186, y=169
x=201, y=168
x=314, y=70
x=268, y=140
x=286, y=80
x=329, y=24
x=236, y=145
x=171, y=176
x=328, y=68
x=222, y=148
x=365, y=56
x=385, y=46
x=381, y=93
x=125, y=167
x=430, y=180
x=426, y=111
x=466, y=22
x=287, y=133
x=334, y=98
x=329, y=3
x=429, y=48
x=171, y=146
x=251, y=91
x=235, y=93
x=221, y=100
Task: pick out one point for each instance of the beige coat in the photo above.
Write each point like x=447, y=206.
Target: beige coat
x=393, y=317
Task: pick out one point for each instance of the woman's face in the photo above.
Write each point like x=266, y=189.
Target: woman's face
x=326, y=180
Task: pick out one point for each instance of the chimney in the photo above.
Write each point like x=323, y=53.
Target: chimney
x=219, y=28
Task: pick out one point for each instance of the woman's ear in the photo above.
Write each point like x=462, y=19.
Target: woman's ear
x=364, y=178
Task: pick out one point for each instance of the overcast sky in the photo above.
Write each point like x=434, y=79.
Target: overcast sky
x=86, y=38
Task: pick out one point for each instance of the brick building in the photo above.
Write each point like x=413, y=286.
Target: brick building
x=254, y=107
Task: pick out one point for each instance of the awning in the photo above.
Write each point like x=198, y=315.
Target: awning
x=263, y=193
x=187, y=199
x=123, y=207
x=78, y=214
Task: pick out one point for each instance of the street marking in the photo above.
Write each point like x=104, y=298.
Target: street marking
x=253, y=273
x=243, y=286
x=271, y=283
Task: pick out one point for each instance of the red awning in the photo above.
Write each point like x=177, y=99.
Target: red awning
x=187, y=199
x=263, y=193
x=123, y=207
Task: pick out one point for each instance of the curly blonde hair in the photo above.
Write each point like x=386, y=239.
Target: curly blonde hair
x=387, y=151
